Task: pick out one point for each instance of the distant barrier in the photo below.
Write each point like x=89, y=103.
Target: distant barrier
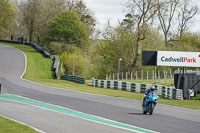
x=164, y=91
x=10, y=41
x=37, y=47
x=55, y=67
x=72, y=78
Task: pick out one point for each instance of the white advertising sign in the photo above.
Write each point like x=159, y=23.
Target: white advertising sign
x=175, y=58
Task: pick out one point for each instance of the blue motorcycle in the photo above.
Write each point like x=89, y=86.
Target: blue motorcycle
x=150, y=103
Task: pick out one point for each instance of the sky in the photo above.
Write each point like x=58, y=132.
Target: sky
x=105, y=10
x=113, y=10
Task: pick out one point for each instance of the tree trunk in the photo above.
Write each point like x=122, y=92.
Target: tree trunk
x=31, y=30
x=137, y=55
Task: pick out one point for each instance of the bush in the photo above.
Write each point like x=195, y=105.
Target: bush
x=57, y=47
x=75, y=63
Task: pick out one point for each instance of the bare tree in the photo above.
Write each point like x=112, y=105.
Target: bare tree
x=71, y=4
x=48, y=9
x=186, y=13
x=166, y=14
x=29, y=11
x=143, y=12
x=85, y=15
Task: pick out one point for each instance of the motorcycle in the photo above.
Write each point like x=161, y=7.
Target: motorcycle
x=150, y=103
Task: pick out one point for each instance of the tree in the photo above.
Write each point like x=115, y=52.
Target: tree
x=83, y=12
x=166, y=13
x=172, y=12
x=30, y=11
x=117, y=45
x=142, y=13
x=188, y=42
x=33, y=17
x=48, y=9
x=186, y=13
x=85, y=15
x=67, y=28
x=7, y=14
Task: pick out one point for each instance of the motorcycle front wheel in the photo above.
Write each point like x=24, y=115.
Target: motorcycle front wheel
x=151, y=107
x=143, y=110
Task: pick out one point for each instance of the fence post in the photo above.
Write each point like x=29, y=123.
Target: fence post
x=136, y=75
x=122, y=76
x=0, y=88
x=62, y=70
x=147, y=75
x=142, y=75
x=117, y=76
x=164, y=75
x=171, y=73
x=159, y=75
x=113, y=76
x=153, y=75
x=126, y=75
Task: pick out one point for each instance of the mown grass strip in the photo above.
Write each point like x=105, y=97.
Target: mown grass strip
x=8, y=126
x=40, y=72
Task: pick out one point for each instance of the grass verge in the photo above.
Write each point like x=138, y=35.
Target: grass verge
x=8, y=126
x=42, y=74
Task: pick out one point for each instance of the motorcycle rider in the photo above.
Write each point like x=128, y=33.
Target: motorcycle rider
x=149, y=90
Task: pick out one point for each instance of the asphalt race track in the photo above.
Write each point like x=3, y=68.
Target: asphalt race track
x=166, y=119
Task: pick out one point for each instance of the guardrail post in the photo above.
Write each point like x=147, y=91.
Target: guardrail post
x=0, y=88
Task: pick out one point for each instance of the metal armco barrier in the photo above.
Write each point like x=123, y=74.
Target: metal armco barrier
x=72, y=78
x=55, y=67
x=164, y=91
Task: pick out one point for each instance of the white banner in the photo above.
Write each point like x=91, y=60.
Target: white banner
x=175, y=58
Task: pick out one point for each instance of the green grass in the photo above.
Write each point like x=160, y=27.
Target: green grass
x=8, y=126
x=197, y=97
x=43, y=75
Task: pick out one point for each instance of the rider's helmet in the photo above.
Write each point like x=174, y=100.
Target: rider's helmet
x=152, y=88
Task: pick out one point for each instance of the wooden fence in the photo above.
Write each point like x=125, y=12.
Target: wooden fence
x=142, y=75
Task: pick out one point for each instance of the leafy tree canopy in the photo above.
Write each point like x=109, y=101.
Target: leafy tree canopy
x=7, y=14
x=68, y=28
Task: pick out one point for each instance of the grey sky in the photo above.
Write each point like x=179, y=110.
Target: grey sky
x=112, y=10
x=105, y=10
